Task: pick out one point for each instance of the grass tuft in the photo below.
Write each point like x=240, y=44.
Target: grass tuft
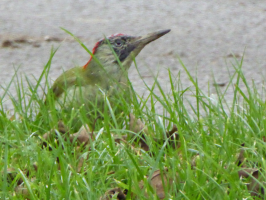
x=205, y=166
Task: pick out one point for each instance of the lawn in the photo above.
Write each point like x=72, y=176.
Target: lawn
x=213, y=150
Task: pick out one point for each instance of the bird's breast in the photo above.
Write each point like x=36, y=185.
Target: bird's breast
x=90, y=95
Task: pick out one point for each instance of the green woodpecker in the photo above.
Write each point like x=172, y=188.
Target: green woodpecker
x=104, y=75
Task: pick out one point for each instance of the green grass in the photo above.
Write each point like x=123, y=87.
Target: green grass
x=204, y=167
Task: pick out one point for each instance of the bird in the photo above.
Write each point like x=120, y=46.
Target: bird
x=105, y=75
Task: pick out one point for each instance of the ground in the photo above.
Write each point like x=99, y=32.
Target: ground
x=204, y=34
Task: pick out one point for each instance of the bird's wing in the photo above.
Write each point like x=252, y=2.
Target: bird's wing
x=67, y=79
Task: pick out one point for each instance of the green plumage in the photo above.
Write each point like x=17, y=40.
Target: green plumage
x=90, y=86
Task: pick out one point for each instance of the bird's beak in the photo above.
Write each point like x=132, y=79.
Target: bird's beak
x=144, y=40
x=140, y=42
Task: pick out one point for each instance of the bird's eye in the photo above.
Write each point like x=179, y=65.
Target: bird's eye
x=118, y=43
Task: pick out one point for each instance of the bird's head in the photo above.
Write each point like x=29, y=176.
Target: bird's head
x=124, y=46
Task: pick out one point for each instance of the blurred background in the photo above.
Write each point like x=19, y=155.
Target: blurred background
x=206, y=35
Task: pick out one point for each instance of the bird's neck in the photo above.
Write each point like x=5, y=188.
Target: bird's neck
x=106, y=72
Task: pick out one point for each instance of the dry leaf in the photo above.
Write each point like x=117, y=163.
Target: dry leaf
x=157, y=182
x=246, y=172
x=62, y=127
x=52, y=134
x=137, y=126
x=170, y=133
x=11, y=175
x=241, y=157
x=21, y=190
x=253, y=186
x=173, y=137
x=121, y=195
x=83, y=136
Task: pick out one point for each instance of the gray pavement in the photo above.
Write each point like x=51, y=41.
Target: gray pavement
x=204, y=34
